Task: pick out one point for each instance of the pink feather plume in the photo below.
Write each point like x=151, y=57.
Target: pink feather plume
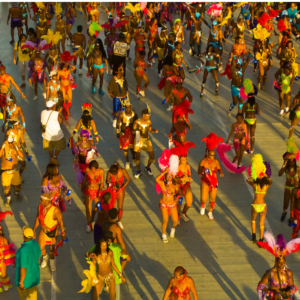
x=293, y=246
x=243, y=95
x=215, y=9
x=231, y=167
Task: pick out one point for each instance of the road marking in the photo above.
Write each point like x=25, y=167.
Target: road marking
x=53, y=285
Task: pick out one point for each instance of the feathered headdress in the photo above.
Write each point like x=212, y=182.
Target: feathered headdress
x=176, y=21
x=182, y=110
x=181, y=149
x=40, y=5
x=37, y=47
x=268, y=169
x=94, y=29
x=52, y=38
x=113, y=23
x=215, y=10
x=57, y=8
x=292, y=151
x=212, y=141
x=2, y=66
x=3, y=215
x=281, y=26
x=279, y=248
x=263, y=20
x=87, y=106
x=247, y=88
x=260, y=33
x=169, y=160
x=258, y=168
x=273, y=13
x=67, y=57
x=149, y=109
x=133, y=8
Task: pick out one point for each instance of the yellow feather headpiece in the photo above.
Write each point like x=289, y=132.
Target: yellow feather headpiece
x=133, y=8
x=50, y=37
x=57, y=9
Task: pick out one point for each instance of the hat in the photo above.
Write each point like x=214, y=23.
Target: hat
x=108, y=235
x=50, y=103
x=121, y=36
x=52, y=73
x=27, y=232
x=113, y=213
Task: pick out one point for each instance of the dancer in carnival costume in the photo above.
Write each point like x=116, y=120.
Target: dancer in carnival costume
x=40, y=17
x=141, y=128
x=7, y=256
x=125, y=123
x=84, y=152
x=54, y=92
x=166, y=184
x=159, y=46
x=86, y=122
x=115, y=180
x=60, y=26
x=240, y=139
x=292, y=172
x=294, y=111
x=180, y=286
x=207, y=169
x=278, y=282
x=70, y=14
x=216, y=37
x=260, y=173
x=49, y=217
x=92, y=187
x=15, y=14
x=53, y=184
x=140, y=74
x=118, y=91
x=79, y=42
x=295, y=212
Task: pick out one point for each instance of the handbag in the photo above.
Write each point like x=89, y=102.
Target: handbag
x=43, y=127
x=51, y=234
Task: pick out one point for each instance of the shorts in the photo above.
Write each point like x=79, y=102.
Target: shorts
x=160, y=53
x=78, y=52
x=118, y=104
x=28, y=294
x=16, y=22
x=144, y=145
x=23, y=67
x=246, y=16
x=235, y=91
x=11, y=177
x=58, y=145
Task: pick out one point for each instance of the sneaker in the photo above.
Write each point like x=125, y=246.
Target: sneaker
x=142, y=93
x=164, y=238
x=35, y=98
x=283, y=216
x=52, y=265
x=149, y=62
x=100, y=91
x=88, y=228
x=133, y=163
x=18, y=196
x=6, y=288
x=286, y=109
x=12, y=42
x=210, y=216
x=138, y=174
x=53, y=160
x=190, y=51
x=45, y=261
x=80, y=72
x=120, y=225
x=169, y=108
x=114, y=123
x=127, y=165
x=93, y=89
x=45, y=95
x=281, y=112
x=7, y=203
x=88, y=23
x=148, y=170
x=184, y=217
x=202, y=211
x=153, y=60
x=137, y=96
x=172, y=232
x=250, y=31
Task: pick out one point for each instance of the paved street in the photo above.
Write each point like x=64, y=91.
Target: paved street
x=218, y=254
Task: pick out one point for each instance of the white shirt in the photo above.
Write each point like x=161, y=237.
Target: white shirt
x=53, y=130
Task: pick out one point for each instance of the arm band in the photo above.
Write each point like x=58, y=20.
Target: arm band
x=24, y=125
x=96, y=134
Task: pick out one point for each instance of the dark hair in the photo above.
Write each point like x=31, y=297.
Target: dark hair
x=172, y=34
x=50, y=171
x=79, y=28
x=262, y=182
x=31, y=30
x=98, y=246
x=251, y=99
x=62, y=65
x=114, y=169
x=176, y=44
x=289, y=42
x=145, y=112
x=93, y=164
x=21, y=35
x=180, y=270
x=239, y=115
x=142, y=53
x=101, y=48
x=168, y=61
x=294, y=163
x=86, y=118
x=106, y=197
x=165, y=179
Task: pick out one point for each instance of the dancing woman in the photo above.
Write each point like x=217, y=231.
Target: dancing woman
x=70, y=14
x=61, y=27
x=240, y=139
x=140, y=74
x=168, y=202
x=153, y=31
x=53, y=184
x=294, y=110
x=115, y=181
x=92, y=187
x=178, y=60
x=180, y=286
x=260, y=182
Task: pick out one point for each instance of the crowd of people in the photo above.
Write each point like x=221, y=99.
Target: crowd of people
x=41, y=56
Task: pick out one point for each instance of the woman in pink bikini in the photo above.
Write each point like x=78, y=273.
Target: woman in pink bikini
x=153, y=31
x=116, y=186
x=140, y=74
x=168, y=202
x=180, y=286
x=53, y=184
x=92, y=187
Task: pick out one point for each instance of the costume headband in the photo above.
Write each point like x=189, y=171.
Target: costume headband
x=87, y=106
x=67, y=57
x=57, y=9
x=176, y=21
x=37, y=47
x=85, y=133
x=2, y=66
x=45, y=198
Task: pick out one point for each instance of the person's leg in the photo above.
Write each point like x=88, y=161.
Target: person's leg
x=212, y=202
x=101, y=73
x=146, y=80
x=204, y=191
x=120, y=200
x=260, y=74
x=95, y=75
x=281, y=101
x=252, y=136
x=293, y=125
x=262, y=217
x=88, y=208
x=112, y=289
x=151, y=159
x=56, y=152
x=188, y=200
x=174, y=217
x=286, y=200
x=36, y=83
x=215, y=74
x=42, y=243
x=97, y=290
x=7, y=190
x=138, y=160
x=118, y=291
x=165, y=218
x=12, y=32
x=203, y=82
x=138, y=78
x=240, y=153
x=253, y=223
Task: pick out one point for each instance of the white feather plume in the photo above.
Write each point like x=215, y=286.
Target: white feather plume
x=173, y=164
x=270, y=239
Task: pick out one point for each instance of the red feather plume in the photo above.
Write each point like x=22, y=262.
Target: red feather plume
x=4, y=214
x=121, y=23
x=281, y=26
x=182, y=110
x=273, y=13
x=227, y=72
x=181, y=149
x=67, y=57
x=264, y=19
x=212, y=141
x=266, y=246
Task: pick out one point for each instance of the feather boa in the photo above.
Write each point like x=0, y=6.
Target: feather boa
x=231, y=167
